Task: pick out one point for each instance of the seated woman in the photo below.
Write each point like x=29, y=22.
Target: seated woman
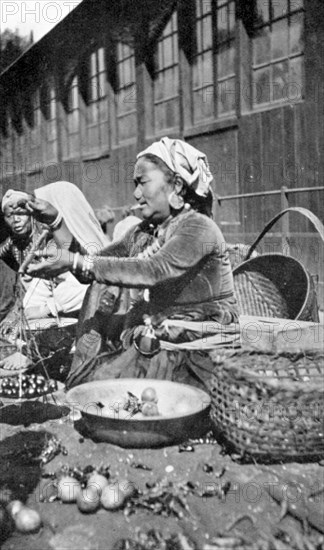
x=176, y=258
x=62, y=295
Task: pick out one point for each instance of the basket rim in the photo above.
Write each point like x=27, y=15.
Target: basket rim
x=245, y=373
x=268, y=254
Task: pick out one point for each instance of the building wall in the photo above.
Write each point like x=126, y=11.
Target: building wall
x=245, y=87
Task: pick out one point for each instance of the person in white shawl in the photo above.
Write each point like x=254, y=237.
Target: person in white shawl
x=63, y=295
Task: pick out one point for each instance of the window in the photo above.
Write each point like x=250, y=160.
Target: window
x=36, y=109
x=50, y=129
x=202, y=68
x=278, y=51
x=97, y=75
x=225, y=56
x=126, y=93
x=97, y=86
x=166, y=78
x=73, y=107
x=47, y=101
x=35, y=132
x=97, y=104
x=73, y=117
x=214, y=60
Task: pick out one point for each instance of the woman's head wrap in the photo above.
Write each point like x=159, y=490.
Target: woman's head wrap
x=185, y=160
x=11, y=198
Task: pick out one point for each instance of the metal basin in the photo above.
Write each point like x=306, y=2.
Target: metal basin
x=184, y=412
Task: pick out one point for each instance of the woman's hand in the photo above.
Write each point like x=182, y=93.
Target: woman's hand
x=51, y=263
x=43, y=211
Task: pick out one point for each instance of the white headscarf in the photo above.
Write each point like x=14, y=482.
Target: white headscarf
x=12, y=197
x=78, y=215
x=185, y=160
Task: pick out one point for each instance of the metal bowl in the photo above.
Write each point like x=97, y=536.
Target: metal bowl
x=183, y=412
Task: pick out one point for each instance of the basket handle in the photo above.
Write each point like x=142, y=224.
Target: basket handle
x=314, y=219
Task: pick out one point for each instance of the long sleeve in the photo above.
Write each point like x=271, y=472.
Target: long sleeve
x=121, y=248
x=66, y=295
x=6, y=254
x=193, y=239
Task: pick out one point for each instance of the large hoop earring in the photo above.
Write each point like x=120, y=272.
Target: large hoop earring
x=176, y=201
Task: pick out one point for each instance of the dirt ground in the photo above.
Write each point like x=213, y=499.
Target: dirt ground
x=247, y=510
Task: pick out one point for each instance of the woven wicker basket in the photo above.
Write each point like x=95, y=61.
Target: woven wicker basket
x=275, y=285
x=269, y=407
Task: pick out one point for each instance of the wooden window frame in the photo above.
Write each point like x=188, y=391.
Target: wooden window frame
x=198, y=53
x=124, y=56
x=293, y=9
x=71, y=108
x=231, y=40
x=158, y=70
x=95, y=76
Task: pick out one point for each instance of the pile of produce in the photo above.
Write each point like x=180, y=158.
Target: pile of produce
x=147, y=405
x=90, y=489
x=130, y=406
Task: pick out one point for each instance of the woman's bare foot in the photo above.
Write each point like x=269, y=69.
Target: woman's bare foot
x=16, y=361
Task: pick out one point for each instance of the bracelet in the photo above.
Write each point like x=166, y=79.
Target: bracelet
x=87, y=265
x=76, y=257
x=56, y=222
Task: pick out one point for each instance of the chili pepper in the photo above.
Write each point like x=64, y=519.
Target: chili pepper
x=140, y=466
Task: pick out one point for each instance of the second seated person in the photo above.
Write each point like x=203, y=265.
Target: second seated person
x=62, y=295
x=177, y=262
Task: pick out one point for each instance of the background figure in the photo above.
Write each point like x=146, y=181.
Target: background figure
x=125, y=224
x=105, y=216
x=42, y=298
x=63, y=294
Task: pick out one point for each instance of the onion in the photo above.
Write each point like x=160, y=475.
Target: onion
x=88, y=500
x=112, y=497
x=150, y=409
x=97, y=481
x=14, y=507
x=149, y=394
x=27, y=520
x=68, y=489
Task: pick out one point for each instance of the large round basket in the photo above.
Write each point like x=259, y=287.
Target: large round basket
x=269, y=407
x=276, y=285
